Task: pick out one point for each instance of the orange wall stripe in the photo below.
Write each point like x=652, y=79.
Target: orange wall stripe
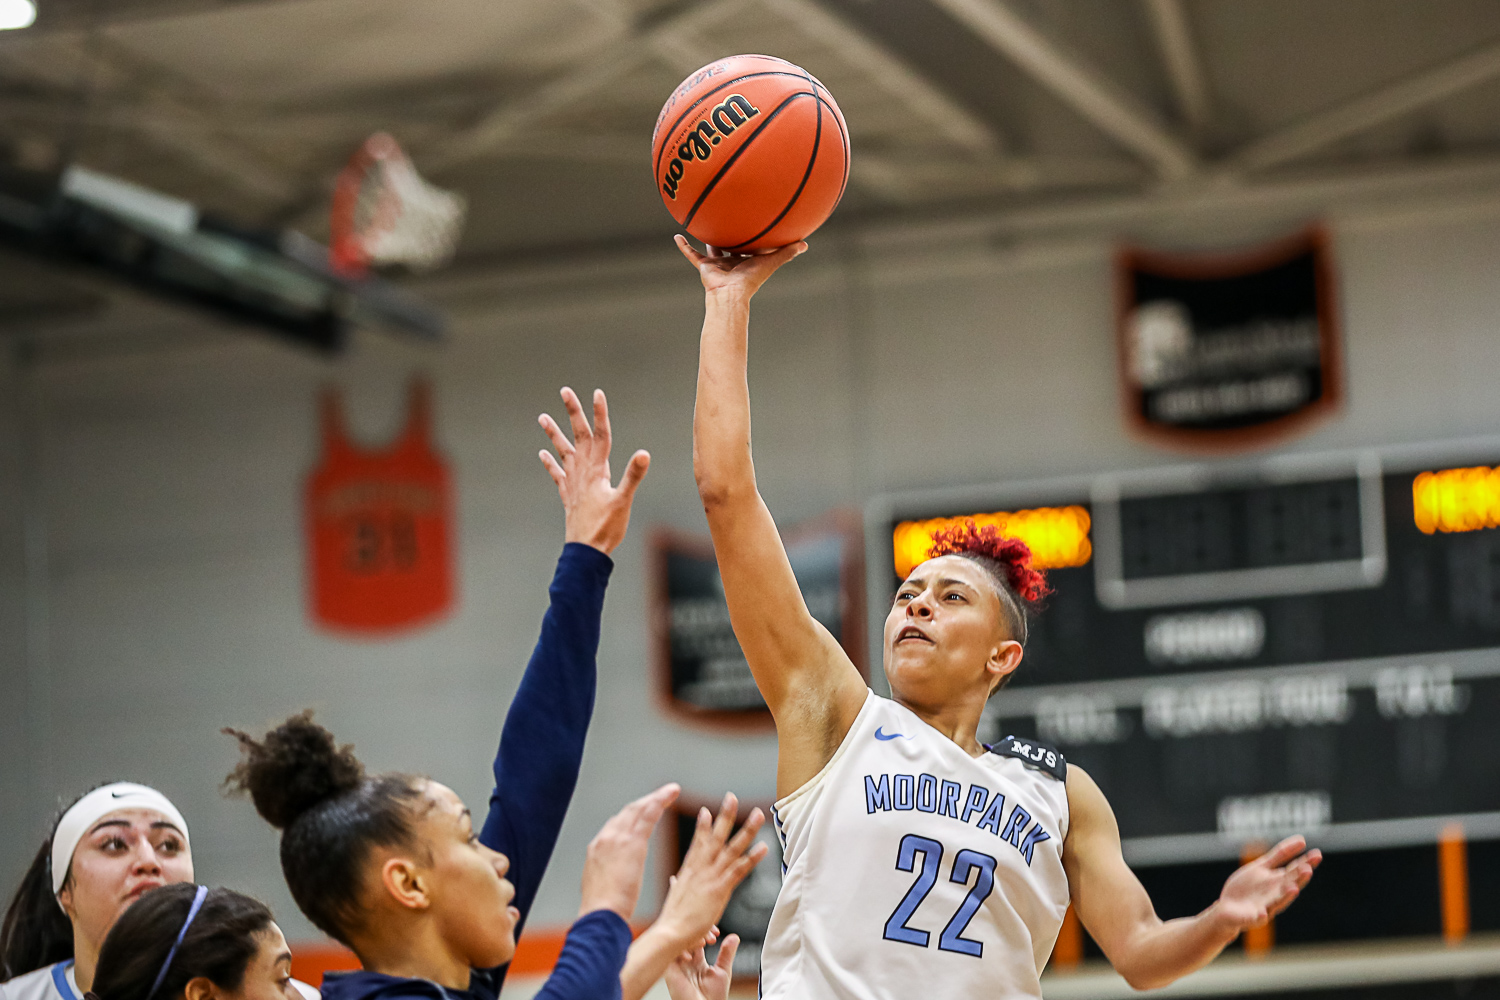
x=1258, y=940
x=1067, y=953
x=1453, y=880
x=536, y=954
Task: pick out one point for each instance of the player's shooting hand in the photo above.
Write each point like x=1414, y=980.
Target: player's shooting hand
x=597, y=512
x=1267, y=885
x=616, y=859
x=738, y=274
x=693, y=977
x=715, y=864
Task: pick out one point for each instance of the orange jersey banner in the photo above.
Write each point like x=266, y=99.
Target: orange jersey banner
x=379, y=526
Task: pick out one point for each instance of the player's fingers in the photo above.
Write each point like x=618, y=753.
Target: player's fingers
x=1284, y=851
x=635, y=471
x=729, y=811
x=725, y=961
x=582, y=433
x=741, y=841
x=1314, y=857
x=554, y=433
x=693, y=256
x=654, y=804
x=601, y=419
x=553, y=469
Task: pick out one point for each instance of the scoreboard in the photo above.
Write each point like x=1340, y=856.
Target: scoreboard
x=1238, y=651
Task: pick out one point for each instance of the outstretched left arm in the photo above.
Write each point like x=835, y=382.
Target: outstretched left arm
x=541, y=744
x=1113, y=905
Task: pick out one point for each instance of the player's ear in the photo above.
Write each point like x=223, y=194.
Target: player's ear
x=1005, y=657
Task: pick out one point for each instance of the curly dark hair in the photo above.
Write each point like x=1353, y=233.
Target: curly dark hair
x=330, y=814
x=219, y=945
x=1008, y=563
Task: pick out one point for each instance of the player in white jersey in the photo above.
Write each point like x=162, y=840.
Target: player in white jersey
x=918, y=861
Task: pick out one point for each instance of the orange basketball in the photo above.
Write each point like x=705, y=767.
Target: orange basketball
x=750, y=153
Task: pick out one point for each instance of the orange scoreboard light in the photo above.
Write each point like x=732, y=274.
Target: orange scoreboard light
x=1057, y=536
x=1456, y=500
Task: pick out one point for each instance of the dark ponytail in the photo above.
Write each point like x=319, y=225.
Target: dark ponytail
x=36, y=932
x=330, y=814
x=219, y=944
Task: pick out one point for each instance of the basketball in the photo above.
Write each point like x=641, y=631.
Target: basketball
x=750, y=153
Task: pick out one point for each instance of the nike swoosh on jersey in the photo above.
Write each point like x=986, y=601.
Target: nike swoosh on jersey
x=879, y=735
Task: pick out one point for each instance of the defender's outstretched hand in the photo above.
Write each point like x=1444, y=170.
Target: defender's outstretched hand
x=616, y=859
x=715, y=864
x=1267, y=885
x=735, y=273
x=596, y=511
x=693, y=977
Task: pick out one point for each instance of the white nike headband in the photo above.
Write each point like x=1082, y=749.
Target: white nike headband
x=83, y=814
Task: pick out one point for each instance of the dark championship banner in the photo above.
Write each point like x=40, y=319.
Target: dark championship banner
x=1229, y=350
x=702, y=674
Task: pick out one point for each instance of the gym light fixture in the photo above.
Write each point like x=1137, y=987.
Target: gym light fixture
x=16, y=14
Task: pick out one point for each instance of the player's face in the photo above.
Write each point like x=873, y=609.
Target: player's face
x=268, y=976
x=127, y=853
x=468, y=892
x=945, y=636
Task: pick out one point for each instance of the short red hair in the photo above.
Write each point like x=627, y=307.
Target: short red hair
x=1013, y=556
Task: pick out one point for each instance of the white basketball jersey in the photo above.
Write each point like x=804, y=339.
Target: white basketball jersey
x=913, y=869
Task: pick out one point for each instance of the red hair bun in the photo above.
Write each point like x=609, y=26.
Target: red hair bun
x=966, y=539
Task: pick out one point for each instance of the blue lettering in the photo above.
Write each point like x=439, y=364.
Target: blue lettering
x=927, y=788
x=1018, y=819
x=1036, y=836
x=978, y=796
x=951, y=792
x=878, y=796
x=905, y=792
x=991, y=818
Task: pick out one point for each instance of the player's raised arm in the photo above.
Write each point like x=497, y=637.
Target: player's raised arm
x=1113, y=905
x=813, y=690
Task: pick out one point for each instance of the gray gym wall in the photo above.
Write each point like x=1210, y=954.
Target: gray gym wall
x=168, y=468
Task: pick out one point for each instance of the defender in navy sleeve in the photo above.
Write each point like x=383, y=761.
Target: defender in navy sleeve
x=541, y=746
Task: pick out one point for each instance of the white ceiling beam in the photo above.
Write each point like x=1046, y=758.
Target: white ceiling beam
x=892, y=74
x=1069, y=77
x=620, y=57
x=1369, y=110
x=1174, y=35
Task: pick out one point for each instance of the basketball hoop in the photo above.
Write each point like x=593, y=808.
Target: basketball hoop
x=385, y=213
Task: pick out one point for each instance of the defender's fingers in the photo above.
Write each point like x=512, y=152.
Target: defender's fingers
x=601, y=419
x=1283, y=852
x=653, y=805
x=725, y=962
x=742, y=866
x=742, y=840
x=729, y=811
x=635, y=471
x=581, y=430
x=553, y=469
x=554, y=433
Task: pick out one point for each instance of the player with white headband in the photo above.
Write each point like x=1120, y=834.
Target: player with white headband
x=109, y=847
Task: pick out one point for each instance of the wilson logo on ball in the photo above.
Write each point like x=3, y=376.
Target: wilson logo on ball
x=700, y=141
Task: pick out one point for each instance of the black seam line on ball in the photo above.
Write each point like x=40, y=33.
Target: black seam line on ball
x=812, y=160
x=708, y=188
x=704, y=97
x=844, y=135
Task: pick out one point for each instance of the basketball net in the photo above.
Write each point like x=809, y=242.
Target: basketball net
x=385, y=213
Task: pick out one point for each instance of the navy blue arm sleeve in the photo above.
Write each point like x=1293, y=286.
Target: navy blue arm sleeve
x=541, y=744
x=591, y=960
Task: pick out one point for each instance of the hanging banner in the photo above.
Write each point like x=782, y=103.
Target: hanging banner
x=1226, y=351
x=702, y=673
x=379, y=526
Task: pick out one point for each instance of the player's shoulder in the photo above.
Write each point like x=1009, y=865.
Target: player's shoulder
x=1034, y=754
x=34, y=985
